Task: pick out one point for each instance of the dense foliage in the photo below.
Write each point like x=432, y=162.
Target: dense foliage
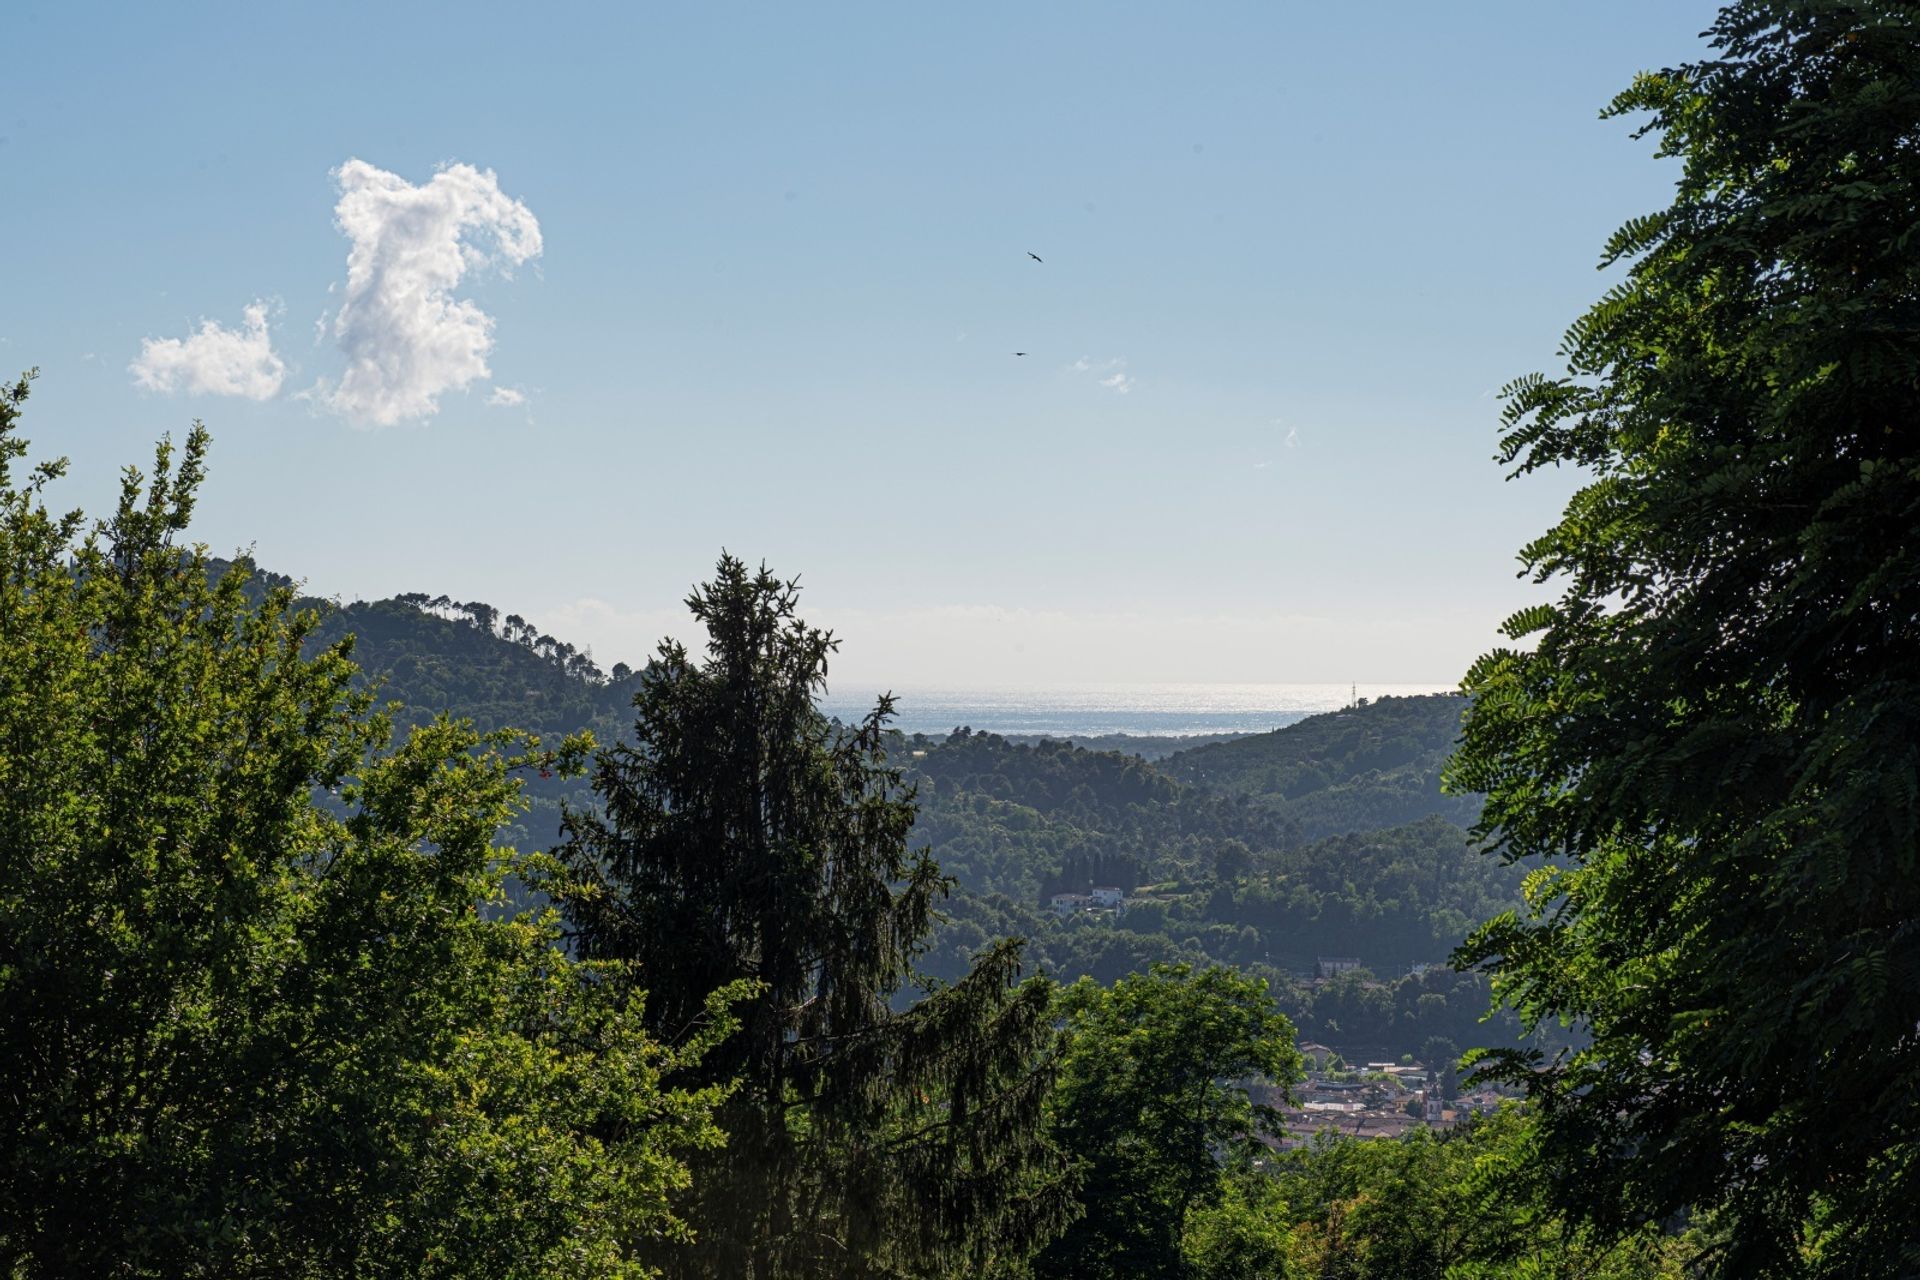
x=742, y=836
x=309, y=1034
x=1717, y=728
x=1459, y=1205
x=1397, y=897
x=244, y=1033
x=1152, y=1098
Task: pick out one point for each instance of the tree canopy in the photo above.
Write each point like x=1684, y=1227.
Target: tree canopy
x=1153, y=1097
x=1717, y=728
x=259, y=1012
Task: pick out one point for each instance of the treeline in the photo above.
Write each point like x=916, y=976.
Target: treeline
x=515, y=629
x=425, y=655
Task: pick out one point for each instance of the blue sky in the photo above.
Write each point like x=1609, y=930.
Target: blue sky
x=780, y=272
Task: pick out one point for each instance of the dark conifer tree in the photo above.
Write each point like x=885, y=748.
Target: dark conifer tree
x=880, y=1127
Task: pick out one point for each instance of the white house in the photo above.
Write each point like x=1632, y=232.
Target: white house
x=1108, y=895
x=1334, y=966
x=1065, y=904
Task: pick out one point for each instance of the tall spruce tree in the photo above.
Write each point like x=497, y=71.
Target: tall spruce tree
x=746, y=836
x=1716, y=735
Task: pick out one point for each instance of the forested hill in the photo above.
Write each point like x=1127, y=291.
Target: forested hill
x=498, y=672
x=425, y=655
x=1368, y=766
x=1028, y=821
x=1227, y=872
x=1208, y=879
x=430, y=654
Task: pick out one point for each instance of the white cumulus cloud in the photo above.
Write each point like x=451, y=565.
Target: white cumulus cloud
x=406, y=338
x=507, y=397
x=215, y=361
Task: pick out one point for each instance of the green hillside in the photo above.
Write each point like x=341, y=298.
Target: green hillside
x=1372, y=765
x=1028, y=821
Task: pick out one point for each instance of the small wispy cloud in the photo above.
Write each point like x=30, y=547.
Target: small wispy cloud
x=214, y=360
x=507, y=398
x=1115, y=370
x=1293, y=437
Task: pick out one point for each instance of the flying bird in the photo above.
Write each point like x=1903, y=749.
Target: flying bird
x=1019, y=353
x=1036, y=257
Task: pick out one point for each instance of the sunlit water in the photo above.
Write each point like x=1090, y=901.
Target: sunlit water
x=1160, y=710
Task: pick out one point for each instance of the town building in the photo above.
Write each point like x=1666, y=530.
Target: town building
x=1334, y=966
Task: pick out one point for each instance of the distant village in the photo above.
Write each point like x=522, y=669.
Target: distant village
x=1368, y=1100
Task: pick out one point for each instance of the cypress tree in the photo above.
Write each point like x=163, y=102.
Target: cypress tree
x=880, y=1125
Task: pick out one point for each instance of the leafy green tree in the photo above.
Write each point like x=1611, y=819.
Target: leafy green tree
x=1154, y=1099
x=1716, y=732
x=745, y=836
x=244, y=1032
x=1246, y=1234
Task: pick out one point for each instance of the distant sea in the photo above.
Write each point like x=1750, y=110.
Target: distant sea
x=1147, y=710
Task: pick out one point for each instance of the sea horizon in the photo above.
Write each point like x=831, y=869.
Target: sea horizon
x=1170, y=709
